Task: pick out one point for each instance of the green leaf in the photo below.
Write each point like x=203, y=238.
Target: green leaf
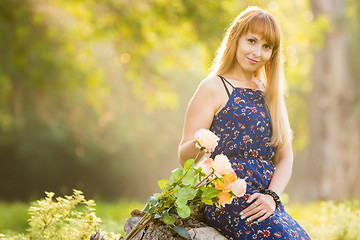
x=164, y=213
x=168, y=220
x=157, y=196
x=189, y=178
x=146, y=207
x=189, y=164
x=182, y=209
x=181, y=201
x=181, y=231
x=177, y=171
x=177, y=174
x=168, y=204
x=152, y=200
x=197, y=170
x=173, y=212
x=163, y=183
x=207, y=201
x=198, y=194
x=210, y=193
x=184, y=193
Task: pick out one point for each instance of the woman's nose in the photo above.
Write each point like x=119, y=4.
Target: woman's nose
x=257, y=51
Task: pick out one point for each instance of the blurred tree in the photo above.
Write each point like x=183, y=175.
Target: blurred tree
x=94, y=92
x=353, y=26
x=46, y=113
x=334, y=118
x=68, y=120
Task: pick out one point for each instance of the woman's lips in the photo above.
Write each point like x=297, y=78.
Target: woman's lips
x=252, y=61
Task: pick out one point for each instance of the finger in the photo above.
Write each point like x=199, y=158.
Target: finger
x=265, y=216
x=251, y=210
x=253, y=197
x=257, y=215
x=248, y=212
x=253, y=205
x=256, y=202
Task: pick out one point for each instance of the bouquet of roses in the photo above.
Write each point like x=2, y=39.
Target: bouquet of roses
x=213, y=181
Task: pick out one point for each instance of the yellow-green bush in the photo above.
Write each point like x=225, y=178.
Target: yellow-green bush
x=329, y=220
x=71, y=218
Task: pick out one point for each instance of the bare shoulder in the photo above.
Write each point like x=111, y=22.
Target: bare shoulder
x=210, y=85
x=211, y=91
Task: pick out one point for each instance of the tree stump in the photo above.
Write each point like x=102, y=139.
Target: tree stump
x=195, y=225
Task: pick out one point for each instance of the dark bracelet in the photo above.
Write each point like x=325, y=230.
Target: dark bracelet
x=273, y=195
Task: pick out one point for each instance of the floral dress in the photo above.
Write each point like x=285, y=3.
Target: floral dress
x=244, y=128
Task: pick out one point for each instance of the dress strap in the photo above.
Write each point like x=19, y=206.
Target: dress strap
x=223, y=81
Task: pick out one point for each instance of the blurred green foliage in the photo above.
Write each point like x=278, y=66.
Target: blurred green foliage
x=329, y=220
x=93, y=93
x=351, y=17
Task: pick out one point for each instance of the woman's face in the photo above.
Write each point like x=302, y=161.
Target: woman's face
x=252, y=52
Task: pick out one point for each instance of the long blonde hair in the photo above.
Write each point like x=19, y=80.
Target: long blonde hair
x=259, y=21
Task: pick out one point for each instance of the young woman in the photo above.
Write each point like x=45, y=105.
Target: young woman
x=242, y=102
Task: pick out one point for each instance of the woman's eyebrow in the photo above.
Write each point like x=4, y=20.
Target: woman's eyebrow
x=250, y=35
x=253, y=36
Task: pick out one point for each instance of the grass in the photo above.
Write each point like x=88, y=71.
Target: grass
x=322, y=219
x=115, y=214
x=13, y=217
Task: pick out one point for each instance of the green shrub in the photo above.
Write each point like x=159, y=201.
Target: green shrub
x=329, y=220
x=71, y=218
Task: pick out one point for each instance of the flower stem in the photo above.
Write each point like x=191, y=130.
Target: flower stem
x=197, y=155
x=207, y=177
x=138, y=228
x=187, y=170
x=131, y=234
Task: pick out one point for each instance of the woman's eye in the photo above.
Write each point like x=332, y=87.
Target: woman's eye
x=251, y=40
x=267, y=46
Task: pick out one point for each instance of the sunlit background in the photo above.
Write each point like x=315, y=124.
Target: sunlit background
x=93, y=93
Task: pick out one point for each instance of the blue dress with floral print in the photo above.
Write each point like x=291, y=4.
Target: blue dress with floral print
x=244, y=128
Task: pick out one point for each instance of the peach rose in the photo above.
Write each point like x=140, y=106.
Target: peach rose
x=238, y=187
x=206, y=140
x=221, y=164
x=223, y=184
x=224, y=198
x=231, y=175
x=206, y=166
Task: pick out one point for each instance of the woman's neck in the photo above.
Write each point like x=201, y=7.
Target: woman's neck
x=240, y=75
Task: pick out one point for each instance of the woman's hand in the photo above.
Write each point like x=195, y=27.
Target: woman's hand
x=261, y=208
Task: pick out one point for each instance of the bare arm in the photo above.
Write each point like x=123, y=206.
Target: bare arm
x=199, y=114
x=283, y=170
